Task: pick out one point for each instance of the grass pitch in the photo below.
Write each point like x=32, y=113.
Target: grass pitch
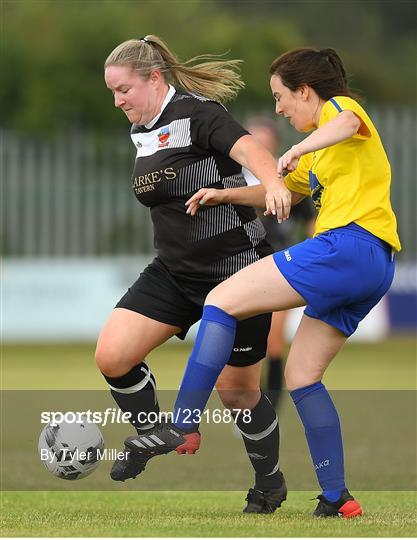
x=388, y=365
x=196, y=514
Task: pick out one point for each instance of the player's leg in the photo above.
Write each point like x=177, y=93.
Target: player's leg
x=258, y=288
x=125, y=341
x=274, y=358
x=315, y=345
x=238, y=389
x=152, y=310
x=364, y=266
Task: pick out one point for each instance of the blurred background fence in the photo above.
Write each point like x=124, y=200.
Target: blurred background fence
x=69, y=195
x=73, y=236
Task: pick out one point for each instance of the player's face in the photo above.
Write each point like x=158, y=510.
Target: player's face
x=292, y=105
x=139, y=98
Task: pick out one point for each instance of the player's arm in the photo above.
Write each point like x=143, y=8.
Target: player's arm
x=245, y=196
x=213, y=128
x=341, y=127
x=253, y=156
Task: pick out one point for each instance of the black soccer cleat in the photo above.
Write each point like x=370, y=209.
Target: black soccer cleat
x=129, y=466
x=163, y=439
x=345, y=507
x=265, y=501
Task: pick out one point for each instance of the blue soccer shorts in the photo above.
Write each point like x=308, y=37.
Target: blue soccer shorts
x=342, y=274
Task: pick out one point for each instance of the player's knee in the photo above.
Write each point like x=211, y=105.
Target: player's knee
x=106, y=362
x=294, y=378
x=111, y=363
x=218, y=299
x=214, y=299
x=239, y=399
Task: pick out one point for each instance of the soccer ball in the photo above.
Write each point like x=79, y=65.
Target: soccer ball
x=71, y=450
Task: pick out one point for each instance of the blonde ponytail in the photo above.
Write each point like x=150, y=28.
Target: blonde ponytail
x=214, y=79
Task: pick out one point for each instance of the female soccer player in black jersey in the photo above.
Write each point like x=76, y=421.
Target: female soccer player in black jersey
x=186, y=140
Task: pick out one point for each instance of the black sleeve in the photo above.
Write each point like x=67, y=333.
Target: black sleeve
x=214, y=129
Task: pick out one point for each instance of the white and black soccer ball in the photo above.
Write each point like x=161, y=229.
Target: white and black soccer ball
x=71, y=450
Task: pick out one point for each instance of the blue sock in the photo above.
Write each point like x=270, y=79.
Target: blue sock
x=322, y=429
x=211, y=352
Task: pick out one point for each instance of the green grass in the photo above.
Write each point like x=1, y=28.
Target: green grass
x=379, y=366
x=389, y=365
x=196, y=514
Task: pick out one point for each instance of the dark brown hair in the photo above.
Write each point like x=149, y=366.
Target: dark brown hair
x=322, y=70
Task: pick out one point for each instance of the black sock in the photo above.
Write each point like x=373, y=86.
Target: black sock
x=261, y=438
x=135, y=392
x=274, y=380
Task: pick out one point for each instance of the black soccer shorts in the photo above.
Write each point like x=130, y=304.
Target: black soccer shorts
x=159, y=296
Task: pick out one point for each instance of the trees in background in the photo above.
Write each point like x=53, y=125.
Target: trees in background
x=53, y=51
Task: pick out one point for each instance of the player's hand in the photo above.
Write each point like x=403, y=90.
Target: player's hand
x=204, y=197
x=278, y=202
x=288, y=162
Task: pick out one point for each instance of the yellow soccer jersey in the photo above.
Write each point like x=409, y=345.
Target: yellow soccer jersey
x=349, y=181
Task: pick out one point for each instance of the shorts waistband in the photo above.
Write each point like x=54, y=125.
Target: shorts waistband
x=353, y=229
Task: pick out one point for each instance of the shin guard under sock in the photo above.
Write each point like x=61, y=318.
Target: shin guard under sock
x=211, y=352
x=135, y=392
x=261, y=438
x=322, y=429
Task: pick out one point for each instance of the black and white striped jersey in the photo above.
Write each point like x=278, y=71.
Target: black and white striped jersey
x=185, y=149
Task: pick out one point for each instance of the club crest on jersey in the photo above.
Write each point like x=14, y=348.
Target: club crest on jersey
x=163, y=137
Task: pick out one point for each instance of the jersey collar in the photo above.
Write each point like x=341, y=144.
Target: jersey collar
x=168, y=97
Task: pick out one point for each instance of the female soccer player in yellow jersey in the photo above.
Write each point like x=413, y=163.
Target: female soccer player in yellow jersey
x=339, y=275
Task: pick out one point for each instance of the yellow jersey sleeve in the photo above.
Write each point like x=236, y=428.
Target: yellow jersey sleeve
x=350, y=181
x=343, y=103
x=298, y=180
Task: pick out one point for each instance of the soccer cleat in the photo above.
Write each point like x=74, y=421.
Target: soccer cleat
x=129, y=467
x=163, y=439
x=345, y=507
x=265, y=501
